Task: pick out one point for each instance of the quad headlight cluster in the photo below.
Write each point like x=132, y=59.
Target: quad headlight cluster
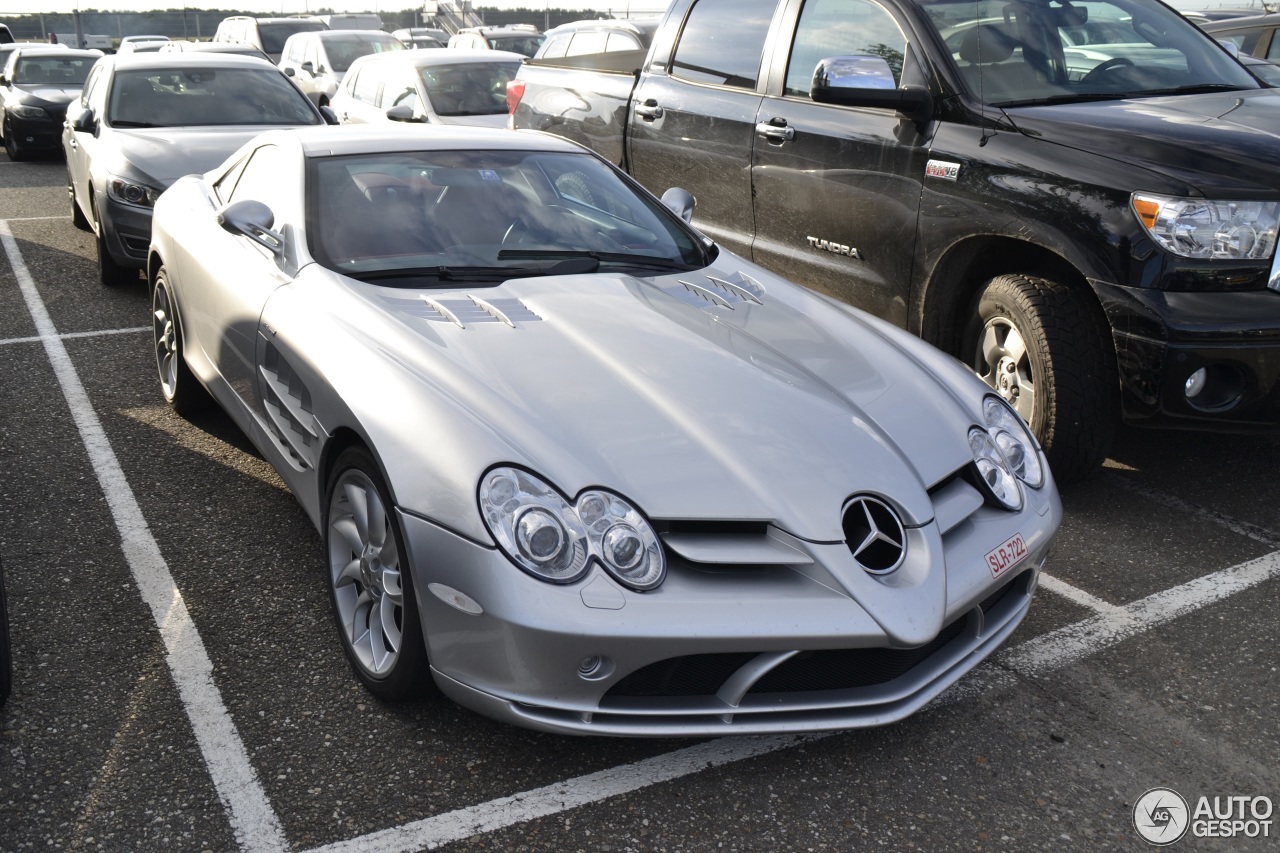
x=1004, y=453
x=556, y=541
x=1201, y=228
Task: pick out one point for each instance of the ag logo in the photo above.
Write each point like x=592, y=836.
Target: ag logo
x=1161, y=816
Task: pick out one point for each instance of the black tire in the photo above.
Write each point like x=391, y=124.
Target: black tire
x=178, y=384
x=111, y=273
x=6, y=662
x=1063, y=378
x=11, y=146
x=78, y=219
x=356, y=536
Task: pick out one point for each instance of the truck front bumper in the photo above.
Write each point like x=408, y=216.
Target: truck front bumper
x=1201, y=360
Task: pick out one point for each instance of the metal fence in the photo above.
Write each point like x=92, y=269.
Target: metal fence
x=199, y=24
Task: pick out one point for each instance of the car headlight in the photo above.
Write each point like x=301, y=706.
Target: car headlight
x=23, y=111
x=1199, y=228
x=997, y=477
x=132, y=192
x=555, y=541
x=1015, y=441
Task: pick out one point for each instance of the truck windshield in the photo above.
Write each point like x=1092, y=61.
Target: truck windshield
x=1055, y=51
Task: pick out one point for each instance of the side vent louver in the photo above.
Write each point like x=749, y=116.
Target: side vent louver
x=711, y=291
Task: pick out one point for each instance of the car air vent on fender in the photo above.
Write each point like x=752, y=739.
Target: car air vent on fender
x=709, y=291
x=467, y=310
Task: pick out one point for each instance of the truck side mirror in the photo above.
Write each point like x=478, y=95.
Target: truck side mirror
x=680, y=202
x=867, y=81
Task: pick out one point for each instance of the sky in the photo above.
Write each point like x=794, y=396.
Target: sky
x=290, y=7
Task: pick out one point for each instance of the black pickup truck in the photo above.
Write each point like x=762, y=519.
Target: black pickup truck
x=1078, y=199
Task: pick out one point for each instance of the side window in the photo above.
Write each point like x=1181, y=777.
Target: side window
x=366, y=89
x=722, y=42
x=263, y=178
x=95, y=76
x=587, y=43
x=557, y=46
x=842, y=28
x=622, y=41
x=224, y=185
x=1273, y=49
x=312, y=53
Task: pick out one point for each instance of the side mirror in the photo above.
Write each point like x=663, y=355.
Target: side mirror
x=84, y=121
x=867, y=81
x=289, y=72
x=1230, y=46
x=3, y=80
x=308, y=67
x=680, y=202
x=253, y=219
x=330, y=117
x=402, y=112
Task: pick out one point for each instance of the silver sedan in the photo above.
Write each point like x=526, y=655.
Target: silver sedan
x=575, y=463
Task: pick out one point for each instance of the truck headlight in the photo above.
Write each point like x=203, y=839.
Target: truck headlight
x=1200, y=228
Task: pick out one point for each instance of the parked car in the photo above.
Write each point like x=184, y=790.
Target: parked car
x=412, y=37
x=6, y=35
x=466, y=87
x=1252, y=36
x=523, y=39
x=145, y=120
x=318, y=61
x=1089, y=222
x=141, y=44
x=587, y=470
x=266, y=34
x=36, y=85
x=578, y=38
x=214, y=47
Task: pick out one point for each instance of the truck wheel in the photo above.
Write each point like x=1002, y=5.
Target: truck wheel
x=1042, y=348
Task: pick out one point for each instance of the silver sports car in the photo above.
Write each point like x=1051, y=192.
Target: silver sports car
x=575, y=463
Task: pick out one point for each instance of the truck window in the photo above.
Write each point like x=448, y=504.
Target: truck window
x=722, y=42
x=842, y=28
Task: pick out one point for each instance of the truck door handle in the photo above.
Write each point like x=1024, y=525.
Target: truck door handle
x=649, y=110
x=776, y=130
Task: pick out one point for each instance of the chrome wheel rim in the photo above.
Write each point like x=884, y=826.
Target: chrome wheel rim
x=1004, y=363
x=364, y=571
x=166, y=338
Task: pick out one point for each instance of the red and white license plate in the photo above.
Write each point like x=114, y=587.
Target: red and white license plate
x=1007, y=555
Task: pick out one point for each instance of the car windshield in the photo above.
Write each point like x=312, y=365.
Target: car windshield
x=527, y=45
x=274, y=34
x=1055, y=51
x=52, y=70
x=436, y=218
x=468, y=88
x=190, y=95
x=345, y=48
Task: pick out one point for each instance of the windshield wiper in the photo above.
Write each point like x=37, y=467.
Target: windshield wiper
x=446, y=274
x=625, y=258
x=1195, y=89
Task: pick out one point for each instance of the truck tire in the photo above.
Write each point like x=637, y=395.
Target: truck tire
x=1046, y=350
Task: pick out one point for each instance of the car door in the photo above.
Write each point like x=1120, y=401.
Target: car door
x=694, y=115
x=79, y=145
x=362, y=105
x=228, y=277
x=837, y=189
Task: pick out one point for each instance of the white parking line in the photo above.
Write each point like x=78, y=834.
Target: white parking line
x=1244, y=528
x=254, y=822
x=35, y=339
x=252, y=818
x=34, y=218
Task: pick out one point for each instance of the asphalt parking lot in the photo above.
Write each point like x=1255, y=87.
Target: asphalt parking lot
x=179, y=686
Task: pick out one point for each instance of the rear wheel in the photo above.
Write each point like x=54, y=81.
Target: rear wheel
x=1043, y=348
x=370, y=583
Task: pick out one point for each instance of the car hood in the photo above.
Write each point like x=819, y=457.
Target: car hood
x=54, y=95
x=777, y=410
x=498, y=120
x=162, y=155
x=1221, y=142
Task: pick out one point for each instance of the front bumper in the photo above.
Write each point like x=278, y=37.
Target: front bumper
x=735, y=650
x=38, y=134
x=1162, y=338
x=126, y=231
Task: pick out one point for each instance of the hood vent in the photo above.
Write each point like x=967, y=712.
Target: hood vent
x=474, y=310
x=709, y=291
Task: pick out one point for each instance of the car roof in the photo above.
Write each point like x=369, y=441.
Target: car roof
x=181, y=58
x=646, y=25
x=61, y=53
x=1269, y=20
x=457, y=56
x=347, y=139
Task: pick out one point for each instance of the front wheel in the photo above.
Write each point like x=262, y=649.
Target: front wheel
x=1045, y=350
x=11, y=146
x=177, y=382
x=78, y=219
x=370, y=583
x=110, y=273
